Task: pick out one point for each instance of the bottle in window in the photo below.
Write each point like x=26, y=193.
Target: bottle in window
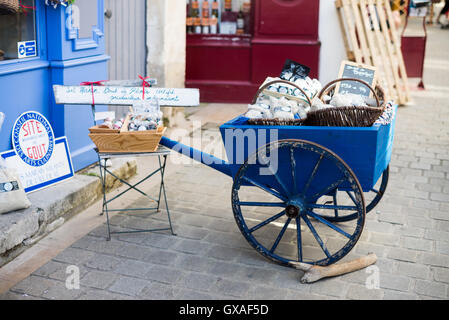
x=228, y=5
x=196, y=16
x=240, y=23
x=214, y=18
x=189, y=20
x=205, y=16
x=246, y=6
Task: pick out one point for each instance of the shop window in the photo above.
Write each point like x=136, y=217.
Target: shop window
x=85, y=27
x=18, y=32
x=224, y=17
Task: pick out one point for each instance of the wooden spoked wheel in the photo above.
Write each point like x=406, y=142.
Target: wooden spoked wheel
x=275, y=200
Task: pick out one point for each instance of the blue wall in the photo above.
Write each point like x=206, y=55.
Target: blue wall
x=26, y=84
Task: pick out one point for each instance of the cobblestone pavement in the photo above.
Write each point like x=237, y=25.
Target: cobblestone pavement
x=210, y=259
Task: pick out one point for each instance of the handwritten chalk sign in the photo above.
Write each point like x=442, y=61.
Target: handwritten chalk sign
x=112, y=95
x=363, y=72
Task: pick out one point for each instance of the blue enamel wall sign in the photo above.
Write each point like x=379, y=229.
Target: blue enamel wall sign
x=33, y=138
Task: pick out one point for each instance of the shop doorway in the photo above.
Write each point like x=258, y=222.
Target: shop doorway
x=125, y=36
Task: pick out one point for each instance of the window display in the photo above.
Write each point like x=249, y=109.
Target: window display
x=218, y=17
x=18, y=32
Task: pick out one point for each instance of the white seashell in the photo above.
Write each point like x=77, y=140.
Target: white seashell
x=254, y=114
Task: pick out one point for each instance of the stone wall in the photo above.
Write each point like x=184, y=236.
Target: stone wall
x=166, y=43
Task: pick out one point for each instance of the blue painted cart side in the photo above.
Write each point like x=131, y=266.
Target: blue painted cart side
x=367, y=150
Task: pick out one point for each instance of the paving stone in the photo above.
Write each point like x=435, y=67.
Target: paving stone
x=133, y=268
x=398, y=295
x=128, y=286
x=231, y=288
x=102, y=262
x=199, y=281
x=441, y=274
x=33, y=286
x=50, y=268
x=188, y=294
x=437, y=235
x=222, y=253
x=9, y=295
x=384, y=239
x=133, y=251
x=417, y=244
x=96, y=294
x=443, y=197
x=262, y=292
x=59, y=291
x=165, y=274
x=74, y=256
x=162, y=257
x=192, y=247
x=442, y=247
x=358, y=292
x=402, y=254
x=413, y=270
x=159, y=291
x=190, y=262
x=410, y=231
x=394, y=282
x=432, y=289
x=190, y=232
x=331, y=287
x=98, y=279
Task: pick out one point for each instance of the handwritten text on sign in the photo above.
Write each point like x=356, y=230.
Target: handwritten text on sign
x=350, y=69
x=125, y=95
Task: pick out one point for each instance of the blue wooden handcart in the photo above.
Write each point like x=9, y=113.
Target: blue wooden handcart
x=301, y=193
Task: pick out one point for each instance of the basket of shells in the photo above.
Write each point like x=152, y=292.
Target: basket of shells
x=331, y=108
x=137, y=133
x=279, y=102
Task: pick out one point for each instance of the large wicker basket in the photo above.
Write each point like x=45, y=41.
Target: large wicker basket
x=347, y=116
x=276, y=121
x=9, y=6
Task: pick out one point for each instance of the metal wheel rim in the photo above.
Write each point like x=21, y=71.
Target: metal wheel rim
x=345, y=170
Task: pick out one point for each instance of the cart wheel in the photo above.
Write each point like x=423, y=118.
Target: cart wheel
x=372, y=197
x=275, y=203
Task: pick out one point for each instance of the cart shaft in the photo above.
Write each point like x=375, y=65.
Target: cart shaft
x=204, y=158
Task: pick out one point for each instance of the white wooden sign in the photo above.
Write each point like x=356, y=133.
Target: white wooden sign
x=111, y=95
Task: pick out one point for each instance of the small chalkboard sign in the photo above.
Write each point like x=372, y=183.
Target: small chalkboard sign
x=363, y=72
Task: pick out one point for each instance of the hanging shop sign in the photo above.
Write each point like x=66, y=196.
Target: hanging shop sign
x=39, y=158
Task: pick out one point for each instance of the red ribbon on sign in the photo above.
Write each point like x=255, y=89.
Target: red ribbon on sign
x=26, y=7
x=91, y=84
x=144, y=84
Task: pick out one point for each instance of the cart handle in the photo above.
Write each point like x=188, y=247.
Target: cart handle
x=334, y=82
x=266, y=85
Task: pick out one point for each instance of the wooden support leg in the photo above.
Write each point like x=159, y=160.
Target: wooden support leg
x=315, y=273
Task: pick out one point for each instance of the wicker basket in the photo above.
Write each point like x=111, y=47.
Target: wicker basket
x=9, y=6
x=124, y=141
x=276, y=121
x=349, y=116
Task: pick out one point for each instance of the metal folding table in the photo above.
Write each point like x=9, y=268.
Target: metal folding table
x=162, y=153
